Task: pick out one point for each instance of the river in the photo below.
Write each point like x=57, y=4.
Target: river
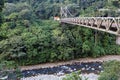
x=90, y=68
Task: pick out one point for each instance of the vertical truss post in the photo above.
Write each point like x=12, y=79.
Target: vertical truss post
x=118, y=37
x=118, y=40
x=118, y=24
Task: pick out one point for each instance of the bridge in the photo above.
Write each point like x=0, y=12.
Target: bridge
x=107, y=24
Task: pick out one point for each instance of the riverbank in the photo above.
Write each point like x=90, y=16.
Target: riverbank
x=45, y=65
x=54, y=77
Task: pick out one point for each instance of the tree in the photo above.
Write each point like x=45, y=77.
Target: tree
x=1, y=7
x=7, y=72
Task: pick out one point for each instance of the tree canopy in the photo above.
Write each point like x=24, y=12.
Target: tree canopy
x=1, y=8
x=29, y=35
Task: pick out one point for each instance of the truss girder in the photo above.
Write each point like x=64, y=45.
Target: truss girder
x=106, y=24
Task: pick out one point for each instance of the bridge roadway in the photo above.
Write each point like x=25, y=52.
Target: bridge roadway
x=107, y=24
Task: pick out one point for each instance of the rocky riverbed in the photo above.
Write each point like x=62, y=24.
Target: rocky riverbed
x=88, y=69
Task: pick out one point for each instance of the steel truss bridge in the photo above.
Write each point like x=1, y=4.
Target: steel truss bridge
x=107, y=24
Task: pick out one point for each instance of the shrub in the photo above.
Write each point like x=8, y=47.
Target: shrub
x=111, y=71
x=9, y=70
x=74, y=76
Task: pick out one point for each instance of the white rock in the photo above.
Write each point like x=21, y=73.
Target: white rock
x=86, y=65
x=93, y=69
x=3, y=78
x=100, y=66
x=83, y=69
x=65, y=67
x=74, y=69
x=60, y=73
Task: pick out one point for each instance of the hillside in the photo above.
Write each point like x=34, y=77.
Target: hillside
x=29, y=35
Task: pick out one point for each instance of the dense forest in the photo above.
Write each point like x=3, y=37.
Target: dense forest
x=29, y=34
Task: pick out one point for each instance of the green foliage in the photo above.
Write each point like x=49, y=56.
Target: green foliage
x=50, y=42
x=74, y=76
x=27, y=39
x=10, y=69
x=1, y=5
x=1, y=8
x=111, y=71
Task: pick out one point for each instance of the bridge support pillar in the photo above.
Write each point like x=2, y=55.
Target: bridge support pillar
x=118, y=40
